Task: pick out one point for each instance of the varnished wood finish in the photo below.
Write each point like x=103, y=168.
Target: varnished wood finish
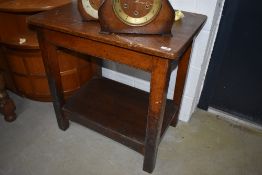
x=28, y=73
x=95, y=4
x=4, y=68
x=28, y=6
x=162, y=23
x=117, y=118
x=132, y=117
x=157, y=102
x=50, y=57
x=13, y=27
x=70, y=22
x=22, y=63
x=7, y=106
x=180, y=81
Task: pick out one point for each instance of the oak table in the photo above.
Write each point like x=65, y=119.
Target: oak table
x=127, y=115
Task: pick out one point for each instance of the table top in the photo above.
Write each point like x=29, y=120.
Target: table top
x=67, y=19
x=30, y=5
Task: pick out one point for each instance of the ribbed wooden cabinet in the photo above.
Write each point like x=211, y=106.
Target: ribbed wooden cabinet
x=20, y=57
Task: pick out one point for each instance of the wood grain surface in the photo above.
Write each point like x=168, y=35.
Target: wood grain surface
x=69, y=21
x=30, y=6
x=132, y=117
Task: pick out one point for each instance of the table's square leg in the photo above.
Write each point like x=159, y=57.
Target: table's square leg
x=180, y=81
x=50, y=59
x=157, y=101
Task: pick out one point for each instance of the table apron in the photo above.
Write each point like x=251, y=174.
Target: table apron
x=101, y=50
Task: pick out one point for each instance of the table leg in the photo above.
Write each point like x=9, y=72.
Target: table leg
x=157, y=102
x=51, y=63
x=180, y=81
x=7, y=106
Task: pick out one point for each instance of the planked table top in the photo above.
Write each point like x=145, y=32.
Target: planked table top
x=67, y=19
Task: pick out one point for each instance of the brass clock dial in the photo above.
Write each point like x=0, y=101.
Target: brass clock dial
x=89, y=9
x=136, y=12
x=136, y=16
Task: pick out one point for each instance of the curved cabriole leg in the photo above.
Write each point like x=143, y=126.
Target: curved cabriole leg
x=7, y=106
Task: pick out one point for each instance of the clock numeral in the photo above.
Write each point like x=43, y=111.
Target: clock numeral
x=136, y=13
x=125, y=5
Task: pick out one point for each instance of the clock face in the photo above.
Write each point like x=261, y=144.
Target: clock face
x=91, y=7
x=136, y=12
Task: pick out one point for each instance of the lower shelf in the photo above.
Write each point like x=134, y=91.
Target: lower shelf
x=115, y=110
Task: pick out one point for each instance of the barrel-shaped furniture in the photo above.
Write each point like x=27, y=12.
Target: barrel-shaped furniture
x=20, y=57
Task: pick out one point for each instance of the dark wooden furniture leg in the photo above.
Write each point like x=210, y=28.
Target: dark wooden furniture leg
x=157, y=103
x=180, y=81
x=51, y=63
x=7, y=106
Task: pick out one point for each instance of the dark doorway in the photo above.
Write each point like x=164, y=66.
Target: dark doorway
x=234, y=79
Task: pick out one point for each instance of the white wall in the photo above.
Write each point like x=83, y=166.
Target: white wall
x=199, y=58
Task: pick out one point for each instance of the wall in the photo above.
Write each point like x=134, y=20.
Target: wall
x=199, y=58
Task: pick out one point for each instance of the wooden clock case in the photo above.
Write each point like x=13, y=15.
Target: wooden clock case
x=162, y=23
x=85, y=16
